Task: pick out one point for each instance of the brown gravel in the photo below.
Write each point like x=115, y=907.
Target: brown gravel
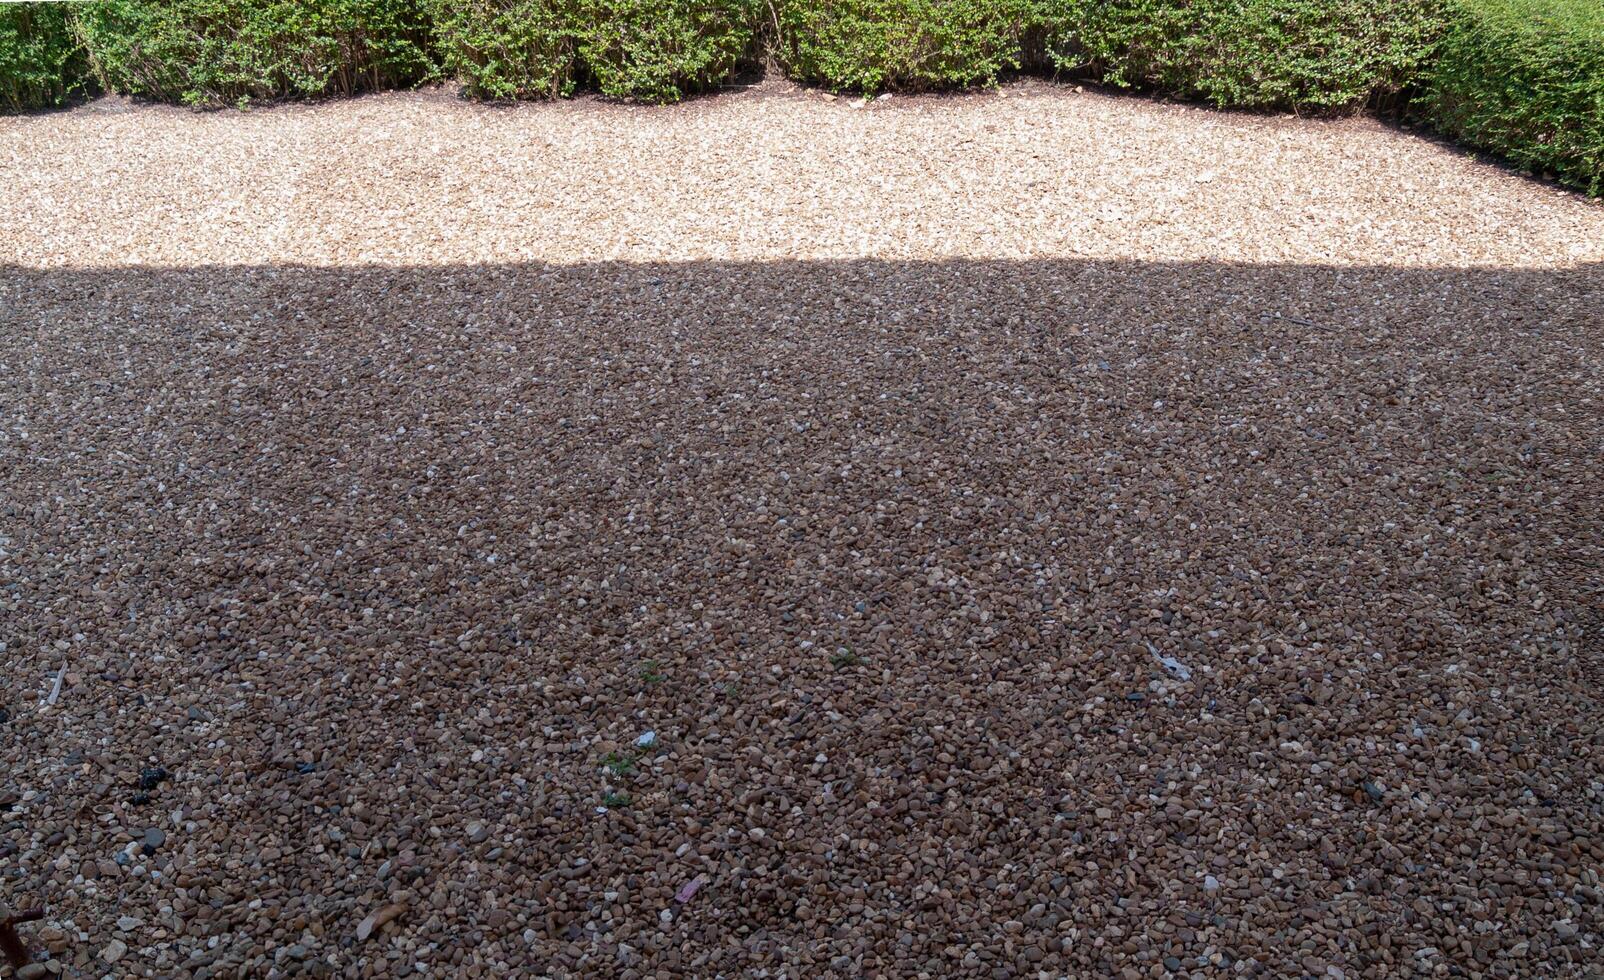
x=1030, y=557
x=1035, y=172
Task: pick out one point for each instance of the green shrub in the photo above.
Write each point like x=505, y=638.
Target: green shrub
x=215, y=52
x=913, y=45
x=651, y=50
x=41, y=62
x=1524, y=79
x=660, y=50
x=509, y=49
x=1304, y=55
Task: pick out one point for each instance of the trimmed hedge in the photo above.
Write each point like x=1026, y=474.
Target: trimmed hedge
x=1320, y=56
x=509, y=49
x=663, y=50
x=41, y=63
x=217, y=52
x=647, y=50
x=912, y=45
x=1524, y=79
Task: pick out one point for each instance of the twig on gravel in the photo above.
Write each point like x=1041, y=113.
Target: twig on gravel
x=55, y=689
x=1300, y=321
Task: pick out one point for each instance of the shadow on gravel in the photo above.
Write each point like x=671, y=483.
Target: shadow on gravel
x=897, y=558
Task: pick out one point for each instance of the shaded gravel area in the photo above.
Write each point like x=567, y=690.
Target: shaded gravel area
x=391, y=570
x=804, y=617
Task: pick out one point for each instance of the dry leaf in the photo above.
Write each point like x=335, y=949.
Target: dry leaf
x=377, y=919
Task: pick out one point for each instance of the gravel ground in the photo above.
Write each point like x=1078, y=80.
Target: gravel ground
x=1036, y=172
x=1024, y=534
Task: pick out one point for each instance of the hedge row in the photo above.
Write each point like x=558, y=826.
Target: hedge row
x=1523, y=78
x=650, y=50
x=910, y=45
x=41, y=63
x=222, y=52
x=1306, y=55
x=211, y=52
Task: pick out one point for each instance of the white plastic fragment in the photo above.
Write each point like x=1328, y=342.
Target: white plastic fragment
x=1178, y=670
